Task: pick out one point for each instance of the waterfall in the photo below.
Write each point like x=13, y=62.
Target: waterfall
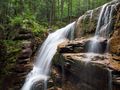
x=105, y=21
x=41, y=67
x=100, y=19
x=94, y=45
x=103, y=29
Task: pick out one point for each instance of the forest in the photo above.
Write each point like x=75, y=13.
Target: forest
x=47, y=12
x=26, y=24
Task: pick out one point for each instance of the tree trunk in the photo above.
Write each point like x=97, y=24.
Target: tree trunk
x=62, y=7
x=68, y=10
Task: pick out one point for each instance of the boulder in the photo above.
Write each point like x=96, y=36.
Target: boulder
x=72, y=46
x=86, y=24
x=83, y=45
x=23, y=36
x=84, y=71
x=22, y=68
x=40, y=85
x=115, y=43
x=26, y=53
x=23, y=61
x=27, y=44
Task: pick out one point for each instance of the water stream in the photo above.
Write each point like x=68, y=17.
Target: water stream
x=41, y=67
x=103, y=28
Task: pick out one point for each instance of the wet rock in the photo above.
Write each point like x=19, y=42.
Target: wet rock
x=40, y=85
x=50, y=83
x=89, y=71
x=115, y=62
x=26, y=53
x=22, y=68
x=23, y=36
x=82, y=70
x=82, y=46
x=23, y=61
x=115, y=43
x=100, y=45
x=55, y=88
x=57, y=77
x=52, y=88
x=73, y=46
x=27, y=44
x=86, y=24
x=116, y=80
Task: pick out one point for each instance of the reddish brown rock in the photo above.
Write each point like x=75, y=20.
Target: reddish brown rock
x=115, y=43
x=86, y=24
x=83, y=70
x=81, y=45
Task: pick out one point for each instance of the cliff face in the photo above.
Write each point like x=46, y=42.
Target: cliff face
x=86, y=24
x=115, y=37
x=73, y=67
x=86, y=71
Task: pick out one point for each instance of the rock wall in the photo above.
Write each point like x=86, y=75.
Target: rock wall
x=86, y=24
x=18, y=61
x=82, y=71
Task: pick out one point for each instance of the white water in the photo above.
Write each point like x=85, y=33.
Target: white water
x=94, y=45
x=100, y=19
x=105, y=20
x=42, y=65
x=103, y=28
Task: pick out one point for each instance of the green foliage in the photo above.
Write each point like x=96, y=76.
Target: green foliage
x=12, y=46
x=44, y=10
x=22, y=19
x=12, y=50
x=28, y=22
x=38, y=29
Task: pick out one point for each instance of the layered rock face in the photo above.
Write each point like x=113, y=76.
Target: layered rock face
x=22, y=64
x=83, y=70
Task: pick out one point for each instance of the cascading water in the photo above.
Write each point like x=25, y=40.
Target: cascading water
x=105, y=21
x=103, y=28
x=42, y=65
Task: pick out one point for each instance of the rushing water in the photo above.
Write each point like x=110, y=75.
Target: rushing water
x=42, y=65
x=103, y=28
x=94, y=45
x=104, y=24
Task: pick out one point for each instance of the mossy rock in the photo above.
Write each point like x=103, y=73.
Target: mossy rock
x=86, y=24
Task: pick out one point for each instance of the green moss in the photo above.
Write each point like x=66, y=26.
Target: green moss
x=12, y=46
